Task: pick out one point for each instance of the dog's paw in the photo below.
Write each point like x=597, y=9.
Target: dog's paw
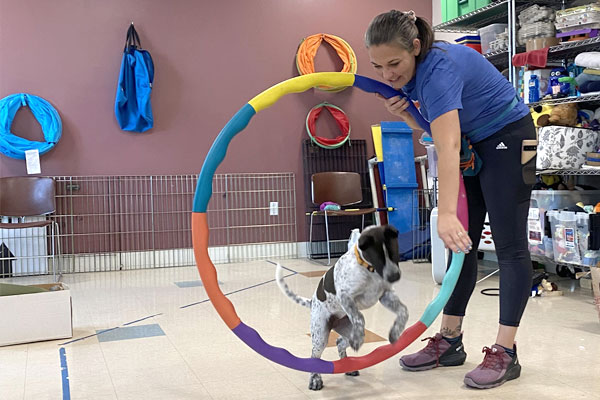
x=353, y=373
x=357, y=338
x=316, y=382
x=396, y=331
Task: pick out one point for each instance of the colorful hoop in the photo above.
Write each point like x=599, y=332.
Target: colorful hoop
x=341, y=119
x=200, y=233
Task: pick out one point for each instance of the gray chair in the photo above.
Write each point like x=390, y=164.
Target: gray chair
x=26, y=196
x=343, y=188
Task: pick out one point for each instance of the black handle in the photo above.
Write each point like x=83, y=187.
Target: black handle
x=132, y=39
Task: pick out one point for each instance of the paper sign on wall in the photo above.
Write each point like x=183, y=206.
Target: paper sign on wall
x=32, y=159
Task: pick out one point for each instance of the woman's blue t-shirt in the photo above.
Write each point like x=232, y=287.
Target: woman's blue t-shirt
x=456, y=77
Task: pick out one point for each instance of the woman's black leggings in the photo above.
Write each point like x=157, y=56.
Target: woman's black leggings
x=500, y=189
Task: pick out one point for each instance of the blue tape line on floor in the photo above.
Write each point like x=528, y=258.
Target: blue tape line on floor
x=65, y=374
x=237, y=291
x=282, y=266
x=186, y=306
x=189, y=284
x=88, y=336
x=142, y=319
x=107, y=330
x=132, y=332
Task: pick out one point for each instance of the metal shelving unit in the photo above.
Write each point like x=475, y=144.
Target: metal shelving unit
x=590, y=98
x=568, y=172
x=543, y=259
x=469, y=23
x=503, y=11
x=506, y=11
x=490, y=14
x=571, y=49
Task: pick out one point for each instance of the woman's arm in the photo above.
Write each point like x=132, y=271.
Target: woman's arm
x=397, y=106
x=445, y=130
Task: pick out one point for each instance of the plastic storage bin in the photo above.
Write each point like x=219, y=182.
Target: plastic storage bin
x=587, y=16
x=535, y=232
x=455, y=8
x=588, y=257
x=547, y=200
x=473, y=42
x=488, y=34
x=564, y=238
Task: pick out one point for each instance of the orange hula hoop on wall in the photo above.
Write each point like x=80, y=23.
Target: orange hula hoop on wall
x=307, y=50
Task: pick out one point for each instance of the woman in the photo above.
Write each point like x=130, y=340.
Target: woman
x=466, y=100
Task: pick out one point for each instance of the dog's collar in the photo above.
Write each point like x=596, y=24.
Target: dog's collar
x=361, y=261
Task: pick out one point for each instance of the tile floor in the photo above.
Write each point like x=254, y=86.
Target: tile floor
x=169, y=343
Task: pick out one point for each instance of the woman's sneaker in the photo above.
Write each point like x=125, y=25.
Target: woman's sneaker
x=497, y=367
x=438, y=352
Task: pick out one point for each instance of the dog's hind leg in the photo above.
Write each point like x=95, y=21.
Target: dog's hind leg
x=319, y=333
x=343, y=327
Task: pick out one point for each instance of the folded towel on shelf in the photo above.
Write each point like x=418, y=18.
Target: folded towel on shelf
x=589, y=59
x=589, y=86
x=534, y=58
x=585, y=77
x=585, y=166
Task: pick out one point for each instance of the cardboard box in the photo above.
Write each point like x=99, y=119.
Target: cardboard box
x=35, y=317
x=595, y=271
x=541, y=43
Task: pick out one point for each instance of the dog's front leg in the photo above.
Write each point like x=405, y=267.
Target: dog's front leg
x=390, y=301
x=357, y=334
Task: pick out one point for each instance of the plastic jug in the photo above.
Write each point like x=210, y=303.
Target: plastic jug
x=534, y=89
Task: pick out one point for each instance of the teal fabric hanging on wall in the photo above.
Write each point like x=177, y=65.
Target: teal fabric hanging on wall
x=14, y=146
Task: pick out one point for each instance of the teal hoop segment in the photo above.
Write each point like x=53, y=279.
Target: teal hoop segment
x=216, y=154
x=448, y=284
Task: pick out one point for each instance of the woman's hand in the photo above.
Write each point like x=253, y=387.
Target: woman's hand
x=453, y=233
x=397, y=106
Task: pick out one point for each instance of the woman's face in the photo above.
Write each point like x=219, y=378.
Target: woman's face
x=394, y=64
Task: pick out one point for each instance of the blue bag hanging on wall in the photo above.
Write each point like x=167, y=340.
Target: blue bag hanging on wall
x=132, y=104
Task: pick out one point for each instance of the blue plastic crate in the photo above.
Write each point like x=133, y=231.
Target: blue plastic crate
x=398, y=154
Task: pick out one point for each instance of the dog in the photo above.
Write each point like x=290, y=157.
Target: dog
x=359, y=279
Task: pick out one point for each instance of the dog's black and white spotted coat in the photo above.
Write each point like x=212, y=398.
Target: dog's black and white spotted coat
x=358, y=280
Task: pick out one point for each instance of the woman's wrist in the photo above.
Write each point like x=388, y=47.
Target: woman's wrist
x=442, y=212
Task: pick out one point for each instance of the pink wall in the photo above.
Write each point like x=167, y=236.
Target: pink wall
x=211, y=57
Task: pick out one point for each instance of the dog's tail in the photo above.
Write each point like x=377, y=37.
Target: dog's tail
x=303, y=301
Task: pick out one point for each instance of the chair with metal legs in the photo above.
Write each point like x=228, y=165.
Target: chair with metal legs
x=343, y=188
x=25, y=205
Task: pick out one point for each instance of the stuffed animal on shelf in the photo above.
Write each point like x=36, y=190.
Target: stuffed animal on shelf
x=564, y=115
x=557, y=89
x=540, y=114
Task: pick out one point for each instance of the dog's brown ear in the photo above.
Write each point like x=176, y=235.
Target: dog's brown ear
x=365, y=241
x=390, y=232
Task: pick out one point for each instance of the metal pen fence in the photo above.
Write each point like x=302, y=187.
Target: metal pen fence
x=109, y=223
x=423, y=201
